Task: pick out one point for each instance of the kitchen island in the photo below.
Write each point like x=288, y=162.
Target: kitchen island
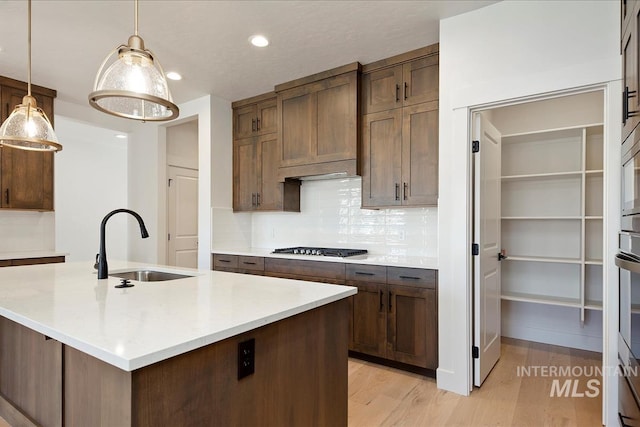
x=77, y=351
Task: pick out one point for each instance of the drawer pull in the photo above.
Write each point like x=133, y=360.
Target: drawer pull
x=410, y=277
x=363, y=273
x=224, y=260
x=248, y=263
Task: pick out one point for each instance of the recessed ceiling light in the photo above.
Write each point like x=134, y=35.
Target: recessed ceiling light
x=258, y=40
x=121, y=136
x=174, y=76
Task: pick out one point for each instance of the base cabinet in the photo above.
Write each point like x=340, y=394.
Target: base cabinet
x=30, y=376
x=395, y=322
x=393, y=317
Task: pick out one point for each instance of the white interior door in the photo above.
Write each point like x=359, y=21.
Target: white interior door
x=487, y=235
x=182, y=245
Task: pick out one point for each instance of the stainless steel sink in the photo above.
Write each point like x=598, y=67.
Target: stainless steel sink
x=148, y=275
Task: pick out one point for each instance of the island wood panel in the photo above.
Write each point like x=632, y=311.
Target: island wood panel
x=300, y=379
x=30, y=376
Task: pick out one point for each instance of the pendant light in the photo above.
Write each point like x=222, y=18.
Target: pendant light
x=28, y=127
x=134, y=86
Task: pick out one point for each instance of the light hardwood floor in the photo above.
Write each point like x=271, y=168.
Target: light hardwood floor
x=380, y=396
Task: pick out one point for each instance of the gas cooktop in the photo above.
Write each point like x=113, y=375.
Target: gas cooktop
x=304, y=250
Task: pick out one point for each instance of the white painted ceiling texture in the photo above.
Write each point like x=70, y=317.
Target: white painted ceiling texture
x=207, y=41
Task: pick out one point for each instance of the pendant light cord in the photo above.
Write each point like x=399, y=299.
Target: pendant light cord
x=29, y=49
x=135, y=17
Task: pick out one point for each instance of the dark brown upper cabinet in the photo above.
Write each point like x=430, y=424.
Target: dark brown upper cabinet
x=399, y=154
x=256, y=161
x=409, y=82
x=630, y=68
x=318, y=123
x=26, y=177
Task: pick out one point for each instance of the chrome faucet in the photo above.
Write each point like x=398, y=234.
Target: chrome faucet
x=101, y=258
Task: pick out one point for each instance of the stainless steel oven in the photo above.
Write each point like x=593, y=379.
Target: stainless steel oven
x=628, y=259
x=631, y=183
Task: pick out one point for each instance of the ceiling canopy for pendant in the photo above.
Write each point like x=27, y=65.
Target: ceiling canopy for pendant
x=28, y=127
x=134, y=86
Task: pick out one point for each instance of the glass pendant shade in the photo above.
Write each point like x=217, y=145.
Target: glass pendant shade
x=133, y=86
x=29, y=128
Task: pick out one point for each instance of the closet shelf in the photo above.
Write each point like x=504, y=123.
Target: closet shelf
x=542, y=299
x=540, y=176
x=544, y=259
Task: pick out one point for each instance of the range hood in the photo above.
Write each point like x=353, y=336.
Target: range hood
x=320, y=171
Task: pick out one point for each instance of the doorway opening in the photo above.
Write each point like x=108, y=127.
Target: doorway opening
x=538, y=222
x=182, y=195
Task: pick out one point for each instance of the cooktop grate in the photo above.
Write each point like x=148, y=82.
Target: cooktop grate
x=305, y=250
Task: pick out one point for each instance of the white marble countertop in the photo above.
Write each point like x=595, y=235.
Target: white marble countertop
x=30, y=254
x=372, y=259
x=152, y=321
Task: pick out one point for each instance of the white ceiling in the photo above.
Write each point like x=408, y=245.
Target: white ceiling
x=207, y=41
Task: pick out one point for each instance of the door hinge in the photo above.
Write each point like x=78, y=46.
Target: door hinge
x=475, y=146
x=475, y=249
x=475, y=352
x=169, y=236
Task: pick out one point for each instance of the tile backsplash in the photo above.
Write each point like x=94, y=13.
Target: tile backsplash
x=331, y=217
x=27, y=231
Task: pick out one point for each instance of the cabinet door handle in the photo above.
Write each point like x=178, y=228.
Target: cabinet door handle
x=390, y=297
x=397, y=92
x=6, y=196
x=362, y=273
x=381, y=303
x=397, y=191
x=405, y=90
x=253, y=125
x=253, y=199
x=405, y=190
x=410, y=277
x=257, y=199
x=625, y=104
x=257, y=124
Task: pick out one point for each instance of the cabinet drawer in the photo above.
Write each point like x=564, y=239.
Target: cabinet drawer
x=5, y=263
x=251, y=263
x=411, y=277
x=225, y=261
x=333, y=272
x=366, y=273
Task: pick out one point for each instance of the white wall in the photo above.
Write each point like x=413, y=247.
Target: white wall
x=331, y=217
x=27, y=231
x=182, y=145
x=90, y=181
x=508, y=50
x=148, y=175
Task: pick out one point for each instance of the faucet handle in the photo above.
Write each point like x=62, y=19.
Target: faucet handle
x=95, y=266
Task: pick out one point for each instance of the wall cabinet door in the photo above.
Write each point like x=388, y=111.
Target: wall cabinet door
x=412, y=326
x=318, y=121
x=382, y=159
x=255, y=119
x=421, y=81
x=420, y=155
x=246, y=166
x=26, y=177
x=630, y=96
x=369, y=319
x=382, y=90
x=270, y=190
